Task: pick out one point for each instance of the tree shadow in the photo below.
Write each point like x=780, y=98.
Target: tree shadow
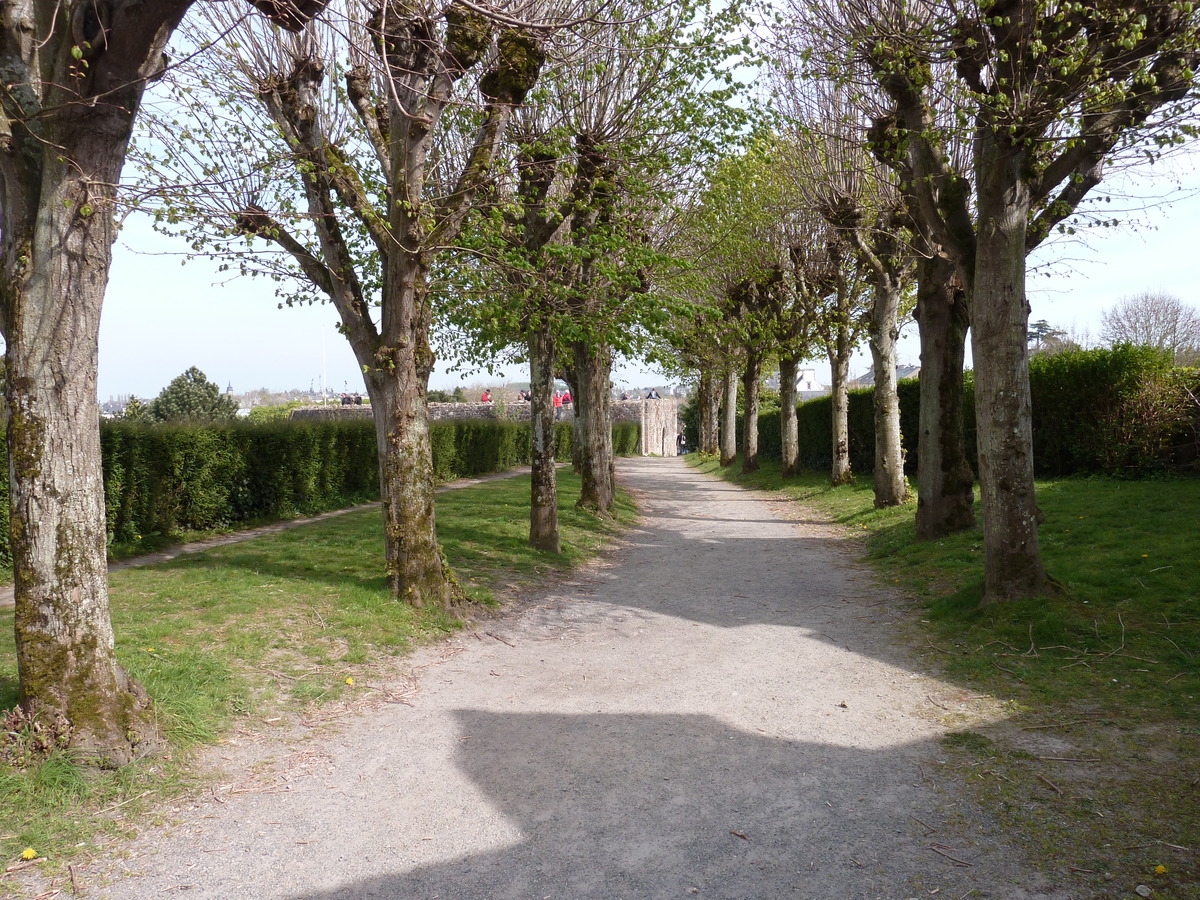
x=648, y=806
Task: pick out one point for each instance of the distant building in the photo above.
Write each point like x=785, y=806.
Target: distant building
x=868, y=379
x=807, y=386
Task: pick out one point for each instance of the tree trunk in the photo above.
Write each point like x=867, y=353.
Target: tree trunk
x=945, y=482
x=593, y=426
x=729, y=419
x=838, y=352
x=891, y=488
x=999, y=325
x=788, y=427
x=543, y=487
x=64, y=640
x=709, y=398
x=74, y=75
x=750, y=412
x=398, y=385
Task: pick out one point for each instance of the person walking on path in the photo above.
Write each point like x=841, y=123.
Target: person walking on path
x=724, y=713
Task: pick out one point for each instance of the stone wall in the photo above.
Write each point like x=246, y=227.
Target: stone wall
x=659, y=419
x=660, y=425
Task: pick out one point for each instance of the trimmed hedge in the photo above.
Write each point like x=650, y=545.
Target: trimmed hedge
x=1121, y=411
x=814, y=426
x=1118, y=411
x=160, y=480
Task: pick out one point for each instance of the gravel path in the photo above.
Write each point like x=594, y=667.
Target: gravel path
x=720, y=708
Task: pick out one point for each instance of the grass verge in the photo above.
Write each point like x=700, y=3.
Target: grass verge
x=268, y=626
x=1098, y=773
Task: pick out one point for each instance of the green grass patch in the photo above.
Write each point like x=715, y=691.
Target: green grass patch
x=272, y=625
x=1108, y=670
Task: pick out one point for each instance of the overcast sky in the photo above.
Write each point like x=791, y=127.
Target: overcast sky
x=161, y=317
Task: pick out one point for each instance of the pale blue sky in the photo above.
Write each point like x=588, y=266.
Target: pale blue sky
x=161, y=318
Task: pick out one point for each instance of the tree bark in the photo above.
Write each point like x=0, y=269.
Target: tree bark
x=999, y=325
x=74, y=78
x=543, y=486
x=729, y=419
x=65, y=651
x=945, y=482
x=709, y=398
x=788, y=426
x=68, y=110
x=838, y=351
x=397, y=380
x=593, y=426
x=750, y=392
x=891, y=488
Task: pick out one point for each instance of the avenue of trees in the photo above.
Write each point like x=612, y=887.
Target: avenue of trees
x=561, y=182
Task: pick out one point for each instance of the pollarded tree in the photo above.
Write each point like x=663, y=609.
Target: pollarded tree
x=1047, y=94
x=858, y=197
x=734, y=239
x=1155, y=320
x=598, y=153
x=945, y=480
x=840, y=323
x=191, y=397
x=355, y=201
x=74, y=75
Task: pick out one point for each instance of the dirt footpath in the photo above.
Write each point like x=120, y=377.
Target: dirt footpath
x=719, y=709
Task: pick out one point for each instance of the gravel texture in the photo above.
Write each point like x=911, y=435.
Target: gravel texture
x=722, y=707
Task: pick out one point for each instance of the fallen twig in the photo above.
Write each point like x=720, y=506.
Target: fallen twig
x=500, y=639
x=17, y=867
x=1056, y=788
x=1070, y=758
x=123, y=802
x=941, y=849
x=930, y=828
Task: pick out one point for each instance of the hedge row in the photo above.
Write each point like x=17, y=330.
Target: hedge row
x=1120, y=411
x=160, y=480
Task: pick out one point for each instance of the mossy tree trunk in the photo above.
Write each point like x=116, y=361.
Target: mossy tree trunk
x=422, y=61
x=883, y=330
x=729, y=419
x=397, y=382
x=788, y=426
x=65, y=650
x=750, y=393
x=709, y=398
x=74, y=76
x=543, y=487
x=838, y=351
x=945, y=482
x=1003, y=409
x=593, y=426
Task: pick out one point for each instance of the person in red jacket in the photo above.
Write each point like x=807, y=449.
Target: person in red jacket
x=558, y=402
x=487, y=396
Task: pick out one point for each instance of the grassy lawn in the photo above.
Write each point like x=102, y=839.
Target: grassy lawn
x=1098, y=773
x=270, y=627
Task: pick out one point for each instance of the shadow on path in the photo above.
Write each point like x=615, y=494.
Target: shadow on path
x=712, y=811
